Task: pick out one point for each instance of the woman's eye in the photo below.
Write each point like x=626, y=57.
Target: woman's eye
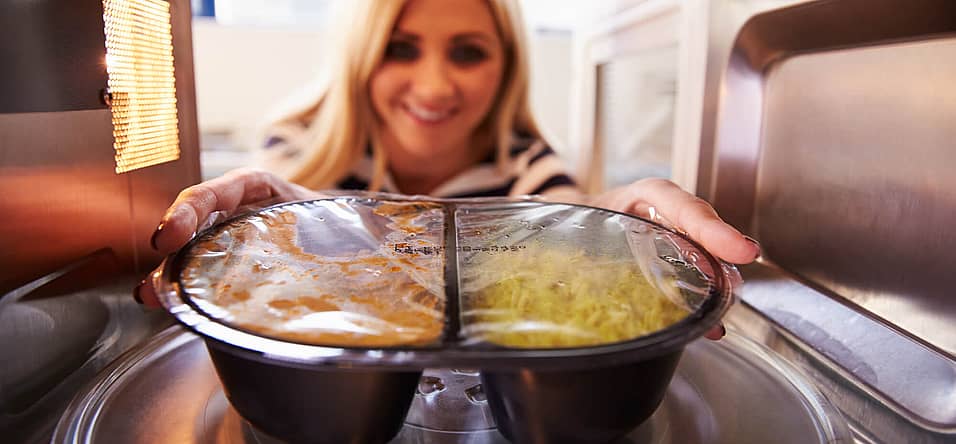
x=467, y=54
x=401, y=51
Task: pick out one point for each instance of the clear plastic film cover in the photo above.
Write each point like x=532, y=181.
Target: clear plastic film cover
x=413, y=282
x=552, y=276
x=347, y=272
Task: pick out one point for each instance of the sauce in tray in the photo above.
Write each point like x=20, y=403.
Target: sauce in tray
x=256, y=275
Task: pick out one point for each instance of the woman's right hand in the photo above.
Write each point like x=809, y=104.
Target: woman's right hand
x=219, y=198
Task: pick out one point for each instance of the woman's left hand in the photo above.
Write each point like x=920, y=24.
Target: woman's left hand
x=687, y=213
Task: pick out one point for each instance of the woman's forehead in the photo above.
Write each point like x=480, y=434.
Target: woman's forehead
x=447, y=18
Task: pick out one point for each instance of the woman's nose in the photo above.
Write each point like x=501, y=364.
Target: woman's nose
x=433, y=81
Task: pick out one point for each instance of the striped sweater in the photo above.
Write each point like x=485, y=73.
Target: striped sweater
x=532, y=168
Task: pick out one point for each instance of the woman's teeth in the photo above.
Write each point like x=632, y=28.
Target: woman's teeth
x=427, y=115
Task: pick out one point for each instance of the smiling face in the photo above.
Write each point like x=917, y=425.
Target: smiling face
x=438, y=79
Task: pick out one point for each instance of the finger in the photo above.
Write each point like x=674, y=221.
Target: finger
x=176, y=228
x=716, y=333
x=697, y=218
x=223, y=194
x=145, y=294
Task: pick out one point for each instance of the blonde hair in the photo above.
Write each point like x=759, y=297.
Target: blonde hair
x=341, y=123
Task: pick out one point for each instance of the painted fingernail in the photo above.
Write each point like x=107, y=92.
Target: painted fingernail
x=136, y=296
x=723, y=331
x=756, y=244
x=152, y=239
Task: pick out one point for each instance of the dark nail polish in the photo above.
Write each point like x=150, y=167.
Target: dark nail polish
x=756, y=244
x=136, y=296
x=152, y=239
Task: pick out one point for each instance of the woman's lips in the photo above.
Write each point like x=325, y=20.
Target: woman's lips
x=428, y=116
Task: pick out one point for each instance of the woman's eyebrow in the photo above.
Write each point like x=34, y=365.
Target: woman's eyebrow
x=403, y=35
x=467, y=36
x=457, y=38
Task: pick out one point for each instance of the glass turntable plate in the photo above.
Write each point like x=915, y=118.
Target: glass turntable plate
x=731, y=391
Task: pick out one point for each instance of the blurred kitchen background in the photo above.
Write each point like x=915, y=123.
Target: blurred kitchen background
x=822, y=128
x=253, y=55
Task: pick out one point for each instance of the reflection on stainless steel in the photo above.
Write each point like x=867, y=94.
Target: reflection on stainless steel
x=831, y=142
x=52, y=55
x=450, y=409
x=728, y=392
x=921, y=381
x=53, y=345
x=29, y=318
x=62, y=198
x=63, y=201
x=871, y=420
x=59, y=192
x=858, y=144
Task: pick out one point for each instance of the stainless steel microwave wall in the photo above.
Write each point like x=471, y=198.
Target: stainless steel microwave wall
x=828, y=135
x=65, y=212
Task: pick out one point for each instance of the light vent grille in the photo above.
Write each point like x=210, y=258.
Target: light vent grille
x=142, y=82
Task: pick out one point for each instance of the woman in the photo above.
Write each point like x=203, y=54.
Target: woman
x=432, y=98
x=445, y=85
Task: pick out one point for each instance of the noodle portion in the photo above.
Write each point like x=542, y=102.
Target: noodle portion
x=547, y=298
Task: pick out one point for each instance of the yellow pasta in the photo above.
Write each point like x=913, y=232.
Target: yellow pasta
x=546, y=298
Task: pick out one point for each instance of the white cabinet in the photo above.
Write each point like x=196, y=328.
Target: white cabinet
x=637, y=92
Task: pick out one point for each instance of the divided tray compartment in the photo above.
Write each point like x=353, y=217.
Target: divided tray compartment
x=420, y=271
